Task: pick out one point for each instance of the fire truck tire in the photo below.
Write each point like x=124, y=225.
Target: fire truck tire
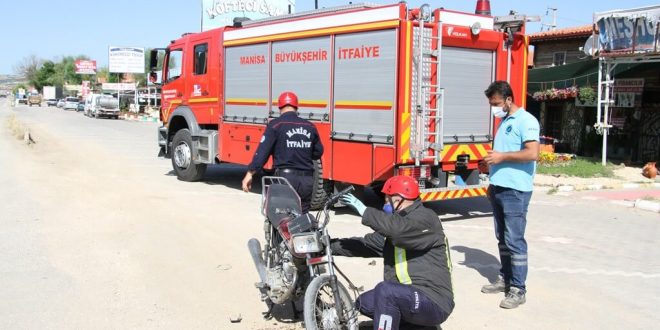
x=322, y=188
x=182, y=163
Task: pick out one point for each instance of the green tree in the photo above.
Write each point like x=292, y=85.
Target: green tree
x=44, y=76
x=17, y=87
x=104, y=74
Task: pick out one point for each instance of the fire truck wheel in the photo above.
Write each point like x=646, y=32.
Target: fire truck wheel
x=185, y=168
x=322, y=188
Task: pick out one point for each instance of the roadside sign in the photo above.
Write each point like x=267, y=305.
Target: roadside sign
x=126, y=59
x=118, y=86
x=85, y=67
x=627, y=30
x=85, y=88
x=218, y=13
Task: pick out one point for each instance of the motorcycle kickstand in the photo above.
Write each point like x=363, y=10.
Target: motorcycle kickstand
x=268, y=315
x=296, y=313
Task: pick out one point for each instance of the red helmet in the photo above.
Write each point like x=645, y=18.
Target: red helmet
x=287, y=98
x=401, y=185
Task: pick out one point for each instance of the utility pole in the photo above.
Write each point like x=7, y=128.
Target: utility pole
x=552, y=26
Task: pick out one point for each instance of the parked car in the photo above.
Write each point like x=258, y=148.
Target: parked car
x=71, y=103
x=51, y=102
x=60, y=103
x=34, y=99
x=23, y=100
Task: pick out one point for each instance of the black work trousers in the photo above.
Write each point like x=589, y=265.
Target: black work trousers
x=303, y=184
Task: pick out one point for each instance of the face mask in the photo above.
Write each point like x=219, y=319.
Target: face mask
x=498, y=112
x=389, y=206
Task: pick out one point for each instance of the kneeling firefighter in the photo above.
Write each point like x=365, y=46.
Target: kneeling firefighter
x=417, y=289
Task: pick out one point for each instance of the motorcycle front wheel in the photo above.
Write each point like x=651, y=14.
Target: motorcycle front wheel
x=320, y=311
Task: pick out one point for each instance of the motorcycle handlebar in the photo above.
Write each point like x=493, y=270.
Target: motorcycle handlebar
x=336, y=196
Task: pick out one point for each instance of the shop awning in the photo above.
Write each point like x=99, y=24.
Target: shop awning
x=583, y=73
x=580, y=74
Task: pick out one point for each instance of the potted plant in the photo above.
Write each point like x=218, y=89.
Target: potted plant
x=587, y=95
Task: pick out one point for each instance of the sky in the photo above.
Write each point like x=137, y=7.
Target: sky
x=52, y=29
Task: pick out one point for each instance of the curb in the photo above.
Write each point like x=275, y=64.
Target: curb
x=140, y=118
x=569, y=188
x=647, y=205
x=639, y=204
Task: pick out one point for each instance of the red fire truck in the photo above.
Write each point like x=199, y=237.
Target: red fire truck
x=391, y=89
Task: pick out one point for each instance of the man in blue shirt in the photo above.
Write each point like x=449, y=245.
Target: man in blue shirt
x=512, y=165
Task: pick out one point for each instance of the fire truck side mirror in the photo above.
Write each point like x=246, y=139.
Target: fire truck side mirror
x=153, y=78
x=153, y=60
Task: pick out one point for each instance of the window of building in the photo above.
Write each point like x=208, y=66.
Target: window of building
x=199, y=66
x=558, y=58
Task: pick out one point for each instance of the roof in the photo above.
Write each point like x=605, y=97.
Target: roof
x=583, y=31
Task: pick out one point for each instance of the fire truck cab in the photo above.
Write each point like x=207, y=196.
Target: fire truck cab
x=391, y=90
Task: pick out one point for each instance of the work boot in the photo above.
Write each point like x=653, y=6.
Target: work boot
x=496, y=287
x=514, y=298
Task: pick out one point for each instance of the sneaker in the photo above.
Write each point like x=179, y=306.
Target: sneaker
x=497, y=287
x=514, y=298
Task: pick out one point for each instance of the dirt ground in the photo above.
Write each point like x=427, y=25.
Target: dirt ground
x=98, y=234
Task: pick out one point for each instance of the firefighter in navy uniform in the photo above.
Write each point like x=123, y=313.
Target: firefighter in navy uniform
x=417, y=291
x=295, y=145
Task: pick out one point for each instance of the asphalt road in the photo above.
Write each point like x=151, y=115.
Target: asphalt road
x=97, y=233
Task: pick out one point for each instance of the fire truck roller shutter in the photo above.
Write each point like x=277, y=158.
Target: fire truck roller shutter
x=365, y=86
x=246, y=83
x=465, y=74
x=303, y=66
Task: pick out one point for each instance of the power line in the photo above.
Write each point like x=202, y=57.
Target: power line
x=552, y=26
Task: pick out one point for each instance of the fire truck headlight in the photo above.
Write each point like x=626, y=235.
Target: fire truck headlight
x=475, y=28
x=425, y=12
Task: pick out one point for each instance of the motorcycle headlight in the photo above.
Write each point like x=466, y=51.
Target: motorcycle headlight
x=306, y=243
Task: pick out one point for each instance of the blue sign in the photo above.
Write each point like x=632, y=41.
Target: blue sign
x=218, y=13
x=621, y=33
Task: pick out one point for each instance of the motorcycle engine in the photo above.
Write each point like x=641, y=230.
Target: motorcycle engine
x=282, y=278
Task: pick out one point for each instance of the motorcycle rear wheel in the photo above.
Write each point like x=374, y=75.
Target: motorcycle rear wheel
x=320, y=312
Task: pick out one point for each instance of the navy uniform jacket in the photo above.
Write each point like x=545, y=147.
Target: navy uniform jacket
x=294, y=143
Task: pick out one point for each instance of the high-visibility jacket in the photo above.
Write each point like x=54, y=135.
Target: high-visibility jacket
x=414, y=249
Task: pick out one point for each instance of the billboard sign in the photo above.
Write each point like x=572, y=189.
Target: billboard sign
x=85, y=67
x=628, y=92
x=218, y=13
x=118, y=86
x=625, y=30
x=126, y=59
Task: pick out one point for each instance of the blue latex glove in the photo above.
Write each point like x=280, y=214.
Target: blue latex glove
x=353, y=202
x=387, y=208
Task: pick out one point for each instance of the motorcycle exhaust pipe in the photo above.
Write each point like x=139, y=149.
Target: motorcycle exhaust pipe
x=255, y=250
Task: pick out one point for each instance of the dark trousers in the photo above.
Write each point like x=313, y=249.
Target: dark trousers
x=510, y=213
x=393, y=305
x=303, y=184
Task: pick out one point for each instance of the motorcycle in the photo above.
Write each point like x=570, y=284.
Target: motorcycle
x=297, y=261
